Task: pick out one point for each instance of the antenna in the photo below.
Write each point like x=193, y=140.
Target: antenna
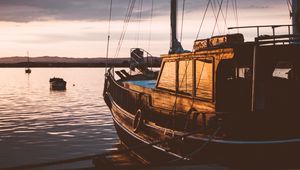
x=108, y=36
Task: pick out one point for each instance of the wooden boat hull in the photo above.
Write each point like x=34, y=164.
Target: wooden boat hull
x=146, y=154
x=199, y=148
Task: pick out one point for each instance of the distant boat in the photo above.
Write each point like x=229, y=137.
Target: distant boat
x=57, y=83
x=27, y=70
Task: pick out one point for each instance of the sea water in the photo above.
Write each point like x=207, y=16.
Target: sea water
x=39, y=125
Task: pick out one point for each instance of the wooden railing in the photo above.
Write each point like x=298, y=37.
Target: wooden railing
x=126, y=98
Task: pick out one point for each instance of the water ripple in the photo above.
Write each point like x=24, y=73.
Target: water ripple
x=38, y=125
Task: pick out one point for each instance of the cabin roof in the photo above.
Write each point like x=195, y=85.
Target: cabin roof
x=226, y=53
x=233, y=46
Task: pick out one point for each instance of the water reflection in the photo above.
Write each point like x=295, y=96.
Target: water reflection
x=38, y=125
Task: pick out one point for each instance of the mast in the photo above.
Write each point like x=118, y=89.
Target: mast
x=173, y=25
x=296, y=17
x=175, y=46
x=27, y=59
x=27, y=71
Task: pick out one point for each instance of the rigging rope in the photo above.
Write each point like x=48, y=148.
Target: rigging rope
x=182, y=17
x=216, y=22
x=236, y=10
x=289, y=5
x=125, y=25
x=226, y=12
x=139, y=20
x=225, y=21
x=108, y=35
x=150, y=29
x=213, y=7
x=234, y=6
x=209, y=1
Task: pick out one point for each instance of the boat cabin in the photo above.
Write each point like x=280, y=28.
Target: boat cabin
x=220, y=71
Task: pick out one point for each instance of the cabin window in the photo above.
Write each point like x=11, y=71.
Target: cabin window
x=204, y=78
x=185, y=76
x=283, y=70
x=245, y=73
x=167, y=78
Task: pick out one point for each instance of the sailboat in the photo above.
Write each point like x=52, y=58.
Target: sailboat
x=220, y=103
x=27, y=70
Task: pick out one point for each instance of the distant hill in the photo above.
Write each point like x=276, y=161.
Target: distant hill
x=54, y=61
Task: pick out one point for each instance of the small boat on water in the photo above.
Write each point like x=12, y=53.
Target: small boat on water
x=220, y=103
x=27, y=70
x=57, y=83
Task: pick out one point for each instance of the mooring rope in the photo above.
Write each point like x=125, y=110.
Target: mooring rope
x=197, y=150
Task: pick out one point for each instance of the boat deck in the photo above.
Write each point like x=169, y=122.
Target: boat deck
x=143, y=83
x=145, y=86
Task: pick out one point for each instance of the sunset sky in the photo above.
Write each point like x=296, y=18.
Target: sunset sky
x=78, y=28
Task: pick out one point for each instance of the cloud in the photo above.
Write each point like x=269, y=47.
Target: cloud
x=41, y=10
x=98, y=10
x=92, y=10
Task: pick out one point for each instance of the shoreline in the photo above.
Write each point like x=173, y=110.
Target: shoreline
x=100, y=65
